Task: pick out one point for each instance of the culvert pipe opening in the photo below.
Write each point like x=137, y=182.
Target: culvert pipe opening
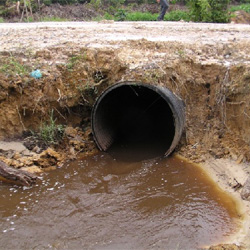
x=137, y=121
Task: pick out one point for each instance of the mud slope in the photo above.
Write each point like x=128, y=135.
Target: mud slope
x=207, y=65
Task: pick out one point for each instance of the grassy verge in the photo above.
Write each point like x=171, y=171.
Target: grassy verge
x=139, y=16
x=245, y=7
x=122, y=15
x=177, y=15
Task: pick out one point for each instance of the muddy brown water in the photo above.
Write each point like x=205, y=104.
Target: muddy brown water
x=101, y=203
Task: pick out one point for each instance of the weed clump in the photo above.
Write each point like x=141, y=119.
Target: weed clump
x=49, y=132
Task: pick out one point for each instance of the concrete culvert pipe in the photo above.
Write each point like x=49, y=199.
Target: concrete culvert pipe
x=137, y=121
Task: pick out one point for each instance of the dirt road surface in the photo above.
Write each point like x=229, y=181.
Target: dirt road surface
x=117, y=34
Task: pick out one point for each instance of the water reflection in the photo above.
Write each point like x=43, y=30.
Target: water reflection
x=100, y=203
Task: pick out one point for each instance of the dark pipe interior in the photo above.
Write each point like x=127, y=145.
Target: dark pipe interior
x=138, y=122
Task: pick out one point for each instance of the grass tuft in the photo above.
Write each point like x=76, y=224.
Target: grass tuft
x=50, y=132
x=13, y=67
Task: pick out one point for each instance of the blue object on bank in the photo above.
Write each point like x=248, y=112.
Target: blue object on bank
x=36, y=74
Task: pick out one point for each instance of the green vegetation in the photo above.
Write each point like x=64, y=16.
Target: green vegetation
x=120, y=15
x=29, y=19
x=245, y=7
x=139, y=16
x=127, y=10
x=50, y=132
x=215, y=11
x=13, y=67
x=108, y=16
x=111, y=5
x=176, y=15
x=74, y=59
x=96, y=4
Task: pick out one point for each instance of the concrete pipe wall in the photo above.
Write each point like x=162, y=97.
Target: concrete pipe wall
x=132, y=118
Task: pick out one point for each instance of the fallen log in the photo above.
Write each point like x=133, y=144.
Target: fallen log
x=16, y=176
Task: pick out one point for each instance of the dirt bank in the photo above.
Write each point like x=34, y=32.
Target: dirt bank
x=207, y=65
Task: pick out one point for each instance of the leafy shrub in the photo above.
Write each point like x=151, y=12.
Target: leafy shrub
x=114, y=3
x=5, y=11
x=209, y=10
x=108, y=16
x=1, y=20
x=120, y=15
x=219, y=11
x=200, y=10
x=96, y=4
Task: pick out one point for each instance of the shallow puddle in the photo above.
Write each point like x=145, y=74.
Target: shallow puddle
x=100, y=203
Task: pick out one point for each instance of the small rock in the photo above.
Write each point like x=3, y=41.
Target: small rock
x=245, y=192
x=108, y=177
x=15, y=146
x=70, y=132
x=46, y=54
x=16, y=156
x=37, y=150
x=240, y=159
x=32, y=169
x=49, y=169
x=72, y=151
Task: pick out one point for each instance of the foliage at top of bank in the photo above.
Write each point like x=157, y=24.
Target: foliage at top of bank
x=217, y=11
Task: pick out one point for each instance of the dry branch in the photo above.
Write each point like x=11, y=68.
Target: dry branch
x=17, y=176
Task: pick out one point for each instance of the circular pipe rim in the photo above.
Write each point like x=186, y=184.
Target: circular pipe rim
x=171, y=98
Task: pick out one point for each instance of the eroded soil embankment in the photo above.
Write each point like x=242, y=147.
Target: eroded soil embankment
x=207, y=65
x=216, y=96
